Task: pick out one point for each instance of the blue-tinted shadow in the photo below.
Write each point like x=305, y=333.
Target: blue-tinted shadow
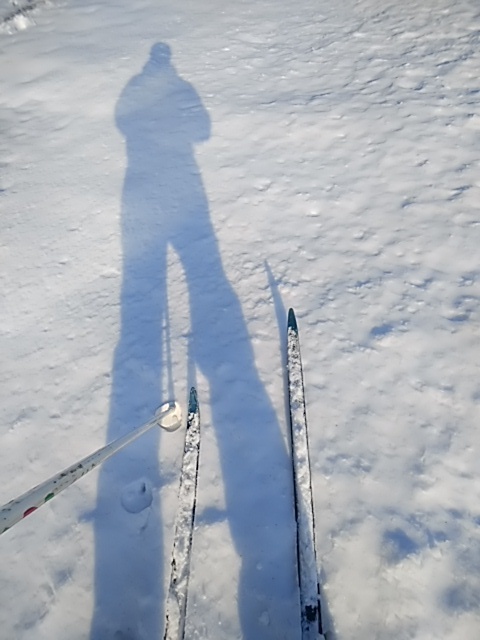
x=162, y=119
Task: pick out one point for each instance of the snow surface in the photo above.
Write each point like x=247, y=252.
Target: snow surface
x=157, y=218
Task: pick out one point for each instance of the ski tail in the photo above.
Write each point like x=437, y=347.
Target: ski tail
x=176, y=607
x=309, y=585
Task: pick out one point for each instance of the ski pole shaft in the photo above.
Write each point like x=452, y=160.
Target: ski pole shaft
x=15, y=510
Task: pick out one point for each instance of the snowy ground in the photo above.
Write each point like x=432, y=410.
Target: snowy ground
x=158, y=217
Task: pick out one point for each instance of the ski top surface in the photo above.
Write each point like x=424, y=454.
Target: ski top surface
x=311, y=618
x=176, y=606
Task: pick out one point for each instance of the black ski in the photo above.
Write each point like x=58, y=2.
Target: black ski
x=176, y=607
x=311, y=617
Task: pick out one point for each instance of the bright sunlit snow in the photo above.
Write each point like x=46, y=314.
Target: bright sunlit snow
x=173, y=177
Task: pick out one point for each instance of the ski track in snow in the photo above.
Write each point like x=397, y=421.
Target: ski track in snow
x=342, y=177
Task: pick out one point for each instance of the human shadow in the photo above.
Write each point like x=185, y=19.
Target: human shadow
x=164, y=204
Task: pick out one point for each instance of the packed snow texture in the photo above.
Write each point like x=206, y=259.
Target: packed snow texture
x=174, y=175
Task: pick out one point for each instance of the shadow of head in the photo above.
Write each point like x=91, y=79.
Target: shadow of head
x=160, y=54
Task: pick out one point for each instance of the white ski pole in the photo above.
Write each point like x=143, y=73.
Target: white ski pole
x=168, y=417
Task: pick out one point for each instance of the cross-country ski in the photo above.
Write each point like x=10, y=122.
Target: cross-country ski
x=184, y=524
x=311, y=616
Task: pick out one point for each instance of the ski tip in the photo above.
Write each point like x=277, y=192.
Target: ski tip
x=292, y=321
x=193, y=401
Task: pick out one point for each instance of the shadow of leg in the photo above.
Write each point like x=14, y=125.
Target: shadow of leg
x=255, y=464
x=128, y=531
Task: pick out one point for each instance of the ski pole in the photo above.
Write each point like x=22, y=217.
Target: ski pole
x=168, y=417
